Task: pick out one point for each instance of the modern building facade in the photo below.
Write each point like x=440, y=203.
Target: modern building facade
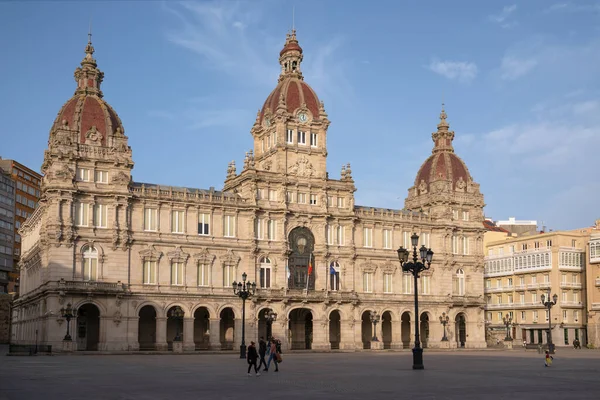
x=7, y=223
x=126, y=254
x=27, y=195
x=518, y=227
x=519, y=270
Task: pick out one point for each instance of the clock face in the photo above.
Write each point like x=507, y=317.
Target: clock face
x=302, y=117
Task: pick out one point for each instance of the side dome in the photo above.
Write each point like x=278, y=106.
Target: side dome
x=443, y=164
x=87, y=113
x=291, y=92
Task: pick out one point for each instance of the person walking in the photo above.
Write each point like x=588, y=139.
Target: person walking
x=273, y=355
x=262, y=351
x=548, y=359
x=252, y=356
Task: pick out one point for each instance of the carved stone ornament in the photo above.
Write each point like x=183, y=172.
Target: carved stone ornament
x=460, y=184
x=422, y=187
x=369, y=268
x=120, y=177
x=267, y=165
x=150, y=254
x=93, y=137
x=61, y=138
x=117, y=317
x=230, y=258
x=302, y=168
x=204, y=257
x=178, y=255
x=65, y=173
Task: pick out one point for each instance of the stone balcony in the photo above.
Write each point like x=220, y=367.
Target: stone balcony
x=570, y=285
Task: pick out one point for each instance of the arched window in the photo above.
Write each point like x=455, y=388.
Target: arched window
x=460, y=282
x=265, y=272
x=334, y=276
x=90, y=263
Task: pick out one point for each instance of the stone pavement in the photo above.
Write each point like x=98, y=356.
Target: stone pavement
x=362, y=375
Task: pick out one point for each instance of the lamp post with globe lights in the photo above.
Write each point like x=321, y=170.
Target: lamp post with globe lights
x=68, y=313
x=444, y=319
x=374, y=320
x=415, y=267
x=548, y=304
x=270, y=317
x=507, y=322
x=243, y=290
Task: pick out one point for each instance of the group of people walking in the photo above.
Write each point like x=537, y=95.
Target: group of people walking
x=272, y=349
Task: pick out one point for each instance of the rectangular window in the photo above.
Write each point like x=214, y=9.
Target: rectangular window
x=259, y=228
x=83, y=175
x=576, y=316
x=313, y=199
x=177, y=273
x=522, y=298
x=523, y=316
x=534, y=279
x=573, y=243
x=407, y=283
x=102, y=176
x=465, y=241
x=100, y=217
x=510, y=299
x=510, y=282
x=228, y=277
x=203, y=224
x=524, y=246
x=340, y=202
x=535, y=315
x=272, y=195
x=229, y=226
x=368, y=282
x=511, y=249
x=454, y=244
x=290, y=136
x=534, y=298
x=149, y=272
x=368, y=237
x=547, y=315
x=329, y=233
x=177, y=221
x=81, y=211
x=203, y=275
x=454, y=214
x=265, y=277
x=387, y=283
x=564, y=296
x=536, y=245
x=546, y=278
x=313, y=140
x=563, y=278
x=334, y=279
x=301, y=198
x=271, y=229
x=268, y=142
x=488, y=284
x=425, y=239
x=150, y=219
x=565, y=317
x=301, y=137
x=90, y=269
x=387, y=239
x=340, y=235
x=425, y=284
x=548, y=243
x=499, y=315
x=330, y=202
x=521, y=280
x=465, y=215
x=260, y=194
x=406, y=240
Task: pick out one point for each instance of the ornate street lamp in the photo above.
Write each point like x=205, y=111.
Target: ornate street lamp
x=177, y=314
x=548, y=304
x=415, y=267
x=444, y=319
x=507, y=319
x=243, y=290
x=374, y=320
x=271, y=317
x=68, y=313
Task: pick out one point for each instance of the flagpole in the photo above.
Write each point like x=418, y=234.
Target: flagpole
x=308, y=275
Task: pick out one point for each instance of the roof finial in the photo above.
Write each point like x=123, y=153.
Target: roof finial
x=293, y=18
x=90, y=32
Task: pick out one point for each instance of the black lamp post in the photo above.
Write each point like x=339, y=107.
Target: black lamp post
x=177, y=314
x=507, y=322
x=548, y=304
x=374, y=320
x=271, y=317
x=415, y=267
x=243, y=290
x=68, y=313
x=444, y=319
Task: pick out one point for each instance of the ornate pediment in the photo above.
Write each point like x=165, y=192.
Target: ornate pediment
x=120, y=177
x=64, y=173
x=204, y=257
x=178, y=255
x=150, y=254
x=368, y=267
x=230, y=258
x=389, y=269
x=302, y=168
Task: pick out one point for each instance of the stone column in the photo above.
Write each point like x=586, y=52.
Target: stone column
x=161, y=334
x=237, y=334
x=188, y=334
x=347, y=340
x=319, y=336
x=215, y=334
x=396, y=335
x=279, y=330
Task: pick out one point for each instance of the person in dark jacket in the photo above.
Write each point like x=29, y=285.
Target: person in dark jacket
x=252, y=356
x=262, y=351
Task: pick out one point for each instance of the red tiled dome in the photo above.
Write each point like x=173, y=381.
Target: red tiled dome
x=295, y=93
x=443, y=166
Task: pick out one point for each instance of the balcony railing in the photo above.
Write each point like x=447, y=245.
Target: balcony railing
x=571, y=285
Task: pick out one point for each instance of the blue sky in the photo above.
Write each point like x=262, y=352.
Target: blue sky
x=520, y=83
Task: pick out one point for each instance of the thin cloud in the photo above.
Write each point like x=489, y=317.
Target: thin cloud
x=572, y=8
x=456, y=70
x=504, y=18
x=513, y=68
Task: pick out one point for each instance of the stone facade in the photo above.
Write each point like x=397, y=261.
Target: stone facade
x=126, y=254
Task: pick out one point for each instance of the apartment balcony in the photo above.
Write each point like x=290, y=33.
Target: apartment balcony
x=520, y=287
x=570, y=304
x=498, y=289
x=503, y=306
x=571, y=285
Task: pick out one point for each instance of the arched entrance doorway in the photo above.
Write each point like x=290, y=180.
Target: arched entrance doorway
x=88, y=327
x=227, y=329
x=202, y=329
x=405, y=330
x=175, y=316
x=461, y=330
x=366, y=329
x=301, y=329
x=302, y=244
x=335, y=329
x=147, y=328
x=424, y=330
x=386, y=330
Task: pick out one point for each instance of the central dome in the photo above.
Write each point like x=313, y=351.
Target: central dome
x=291, y=89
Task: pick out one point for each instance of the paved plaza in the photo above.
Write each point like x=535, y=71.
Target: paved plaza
x=365, y=375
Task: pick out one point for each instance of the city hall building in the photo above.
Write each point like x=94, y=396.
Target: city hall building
x=143, y=264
